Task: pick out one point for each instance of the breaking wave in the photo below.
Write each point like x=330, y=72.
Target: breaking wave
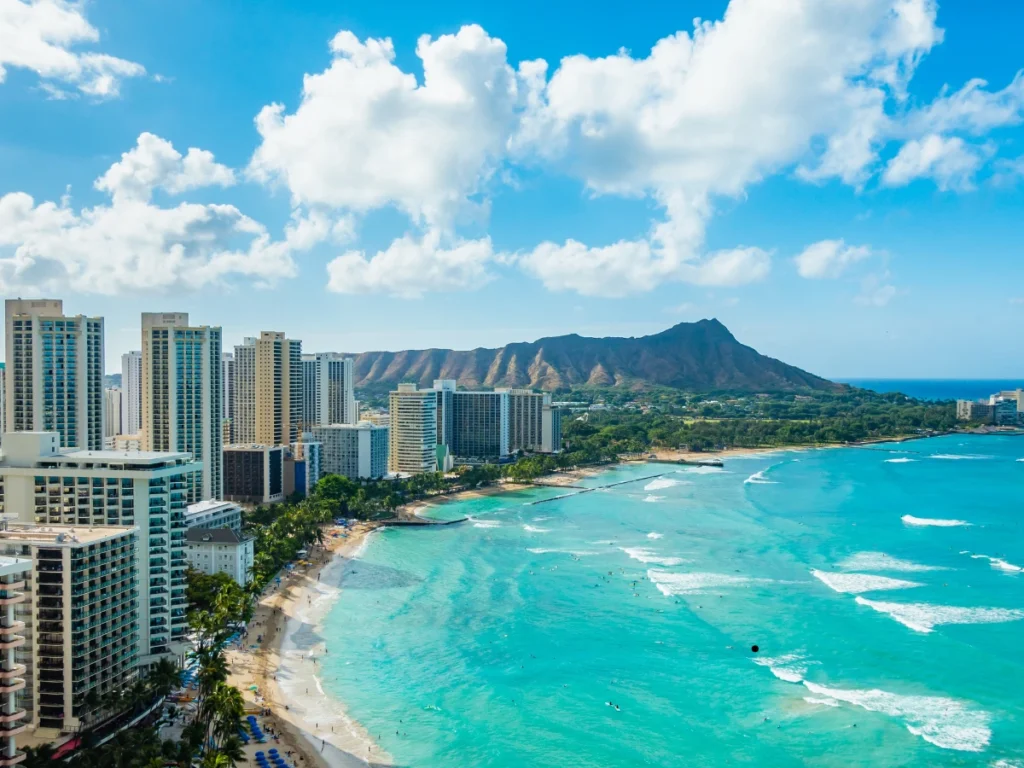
x=879, y=561
x=650, y=557
x=791, y=668
x=855, y=583
x=939, y=523
x=669, y=583
x=999, y=564
x=924, y=617
x=652, y=499
x=535, y=529
x=758, y=478
x=944, y=722
x=653, y=535
x=900, y=460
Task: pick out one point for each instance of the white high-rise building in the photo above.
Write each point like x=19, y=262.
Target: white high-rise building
x=131, y=393
x=43, y=483
x=268, y=390
x=113, y=400
x=228, y=385
x=412, y=432
x=54, y=372
x=3, y=396
x=181, y=395
x=357, y=451
x=328, y=394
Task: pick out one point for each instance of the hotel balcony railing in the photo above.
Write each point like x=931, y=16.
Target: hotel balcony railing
x=10, y=597
x=13, y=685
x=9, y=760
x=16, y=671
x=10, y=717
x=14, y=626
x=7, y=730
x=11, y=641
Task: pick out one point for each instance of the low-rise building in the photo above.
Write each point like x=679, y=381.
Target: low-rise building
x=254, y=474
x=221, y=550
x=214, y=513
x=975, y=410
x=357, y=451
x=81, y=616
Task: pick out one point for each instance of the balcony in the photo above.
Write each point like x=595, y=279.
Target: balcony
x=10, y=717
x=11, y=641
x=11, y=729
x=14, y=626
x=13, y=685
x=8, y=597
x=15, y=671
x=6, y=760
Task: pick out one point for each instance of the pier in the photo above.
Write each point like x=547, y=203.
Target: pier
x=578, y=490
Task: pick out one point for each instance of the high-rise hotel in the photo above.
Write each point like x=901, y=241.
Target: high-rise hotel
x=268, y=390
x=328, y=395
x=182, y=395
x=44, y=484
x=412, y=431
x=54, y=372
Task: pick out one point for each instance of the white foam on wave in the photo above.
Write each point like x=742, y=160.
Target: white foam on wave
x=938, y=523
x=823, y=701
x=670, y=584
x=879, y=561
x=1020, y=459
x=758, y=478
x=790, y=668
x=540, y=519
x=855, y=583
x=958, y=456
x=652, y=499
x=924, y=617
x=944, y=722
x=576, y=552
x=999, y=564
x=1007, y=763
x=900, y=460
x=484, y=522
x=650, y=557
x=653, y=535
x=660, y=483
x=701, y=469
x=535, y=529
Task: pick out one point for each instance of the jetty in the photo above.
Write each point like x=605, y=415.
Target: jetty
x=578, y=490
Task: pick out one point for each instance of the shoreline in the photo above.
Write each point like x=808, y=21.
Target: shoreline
x=283, y=667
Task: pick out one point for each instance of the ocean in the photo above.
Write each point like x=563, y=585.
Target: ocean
x=881, y=585
x=939, y=389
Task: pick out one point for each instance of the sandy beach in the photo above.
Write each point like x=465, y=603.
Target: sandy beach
x=283, y=665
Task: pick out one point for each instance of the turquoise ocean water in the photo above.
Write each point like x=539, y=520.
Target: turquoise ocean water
x=614, y=628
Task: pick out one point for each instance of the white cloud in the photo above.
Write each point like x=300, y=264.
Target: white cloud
x=971, y=109
x=876, y=291
x=40, y=36
x=154, y=163
x=711, y=114
x=367, y=135
x=633, y=266
x=949, y=161
x=829, y=258
x=412, y=266
x=132, y=245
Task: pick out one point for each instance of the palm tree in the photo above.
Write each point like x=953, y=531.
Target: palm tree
x=39, y=757
x=164, y=677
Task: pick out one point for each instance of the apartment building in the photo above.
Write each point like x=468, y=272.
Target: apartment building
x=445, y=389
x=131, y=393
x=54, y=372
x=551, y=429
x=480, y=426
x=357, y=451
x=78, y=615
x=254, y=474
x=228, y=387
x=112, y=399
x=45, y=484
x=328, y=394
x=214, y=513
x=525, y=419
x=181, y=395
x=412, y=431
x=268, y=390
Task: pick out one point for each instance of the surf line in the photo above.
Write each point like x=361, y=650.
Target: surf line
x=598, y=488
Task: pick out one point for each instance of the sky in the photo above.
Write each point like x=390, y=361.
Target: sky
x=841, y=183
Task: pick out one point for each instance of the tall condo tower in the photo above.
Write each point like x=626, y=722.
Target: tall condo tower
x=268, y=390
x=181, y=395
x=328, y=394
x=131, y=392
x=54, y=372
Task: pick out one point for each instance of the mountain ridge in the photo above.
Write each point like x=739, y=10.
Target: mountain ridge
x=700, y=356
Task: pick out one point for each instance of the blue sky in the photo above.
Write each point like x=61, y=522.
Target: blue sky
x=829, y=180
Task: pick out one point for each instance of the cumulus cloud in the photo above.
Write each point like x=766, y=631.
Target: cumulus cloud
x=154, y=163
x=708, y=115
x=412, y=266
x=949, y=161
x=130, y=244
x=366, y=134
x=829, y=258
x=41, y=35
x=877, y=291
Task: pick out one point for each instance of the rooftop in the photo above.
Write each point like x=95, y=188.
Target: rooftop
x=208, y=505
x=12, y=565
x=67, y=535
x=214, y=536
